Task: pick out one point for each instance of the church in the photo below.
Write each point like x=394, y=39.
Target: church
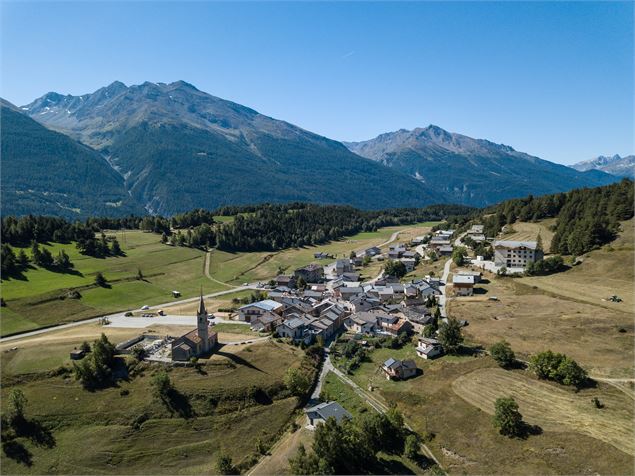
x=196, y=342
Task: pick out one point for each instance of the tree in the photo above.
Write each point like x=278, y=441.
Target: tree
x=507, y=418
x=100, y=280
x=458, y=255
x=503, y=354
x=8, y=259
x=570, y=373
x=35, y=252
x=115, y=249
x=450, y=335
x=411, y=447
x=16, y=405
x=62, y=261
x=365, y=261
x=44, y=258
x=163, y=386
x=23, y=259
x=224, y=464
x=297, y=382
x=301, y=283
x=85, y=347
x=558, y=367
x=395, y=268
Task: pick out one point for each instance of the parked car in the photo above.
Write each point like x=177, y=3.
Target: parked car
x=145, y=307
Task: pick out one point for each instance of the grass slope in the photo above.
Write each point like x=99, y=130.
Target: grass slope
x=105, y=432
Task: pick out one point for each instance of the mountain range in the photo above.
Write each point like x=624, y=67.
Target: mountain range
x=471, y=171
x=615, y=165
x=167, y=148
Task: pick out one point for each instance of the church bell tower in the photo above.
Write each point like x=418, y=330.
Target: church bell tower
x=202, y=326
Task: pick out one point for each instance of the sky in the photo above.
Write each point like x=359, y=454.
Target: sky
x=554, y=79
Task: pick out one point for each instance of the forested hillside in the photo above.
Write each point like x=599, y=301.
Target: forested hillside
x=586, y=217
x=49, y=173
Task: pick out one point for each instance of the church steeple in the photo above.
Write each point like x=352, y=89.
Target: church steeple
x=201, y=321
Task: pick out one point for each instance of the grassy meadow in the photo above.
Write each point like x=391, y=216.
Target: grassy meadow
x=565, y=312
x=124, y=428
x=35, y=299
x=449, y=404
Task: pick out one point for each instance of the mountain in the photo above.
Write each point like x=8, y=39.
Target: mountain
x=471, y=171
x=48, y=173
x=179, y=148
x=616, y=165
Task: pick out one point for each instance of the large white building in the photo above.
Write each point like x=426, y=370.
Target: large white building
x=516, y=254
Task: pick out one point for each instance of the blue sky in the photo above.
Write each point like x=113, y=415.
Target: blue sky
x=553, y=79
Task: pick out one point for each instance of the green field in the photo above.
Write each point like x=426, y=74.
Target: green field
x=35, y=300
x=448, y=409
x=111, y=432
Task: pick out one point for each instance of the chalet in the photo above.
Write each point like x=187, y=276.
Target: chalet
x=516, y=254
x=312, y=273
x=429, y=348
x=363, y=303
x=396, y=251
x=462, y=285
x=417, y=240
x=322, y=412
x=249, y=311
x=350, y=277
x=399, y=369
x=348, y=292
x=196, y=342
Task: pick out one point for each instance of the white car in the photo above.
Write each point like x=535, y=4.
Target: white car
x=145, y=308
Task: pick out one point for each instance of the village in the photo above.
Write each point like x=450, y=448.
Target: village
x=323, y=303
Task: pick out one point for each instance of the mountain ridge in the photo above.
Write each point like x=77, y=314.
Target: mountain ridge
x=155, y=133
x=614, y=165
x=471, y=171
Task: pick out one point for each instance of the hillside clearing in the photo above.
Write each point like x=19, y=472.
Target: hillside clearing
x=553, y=408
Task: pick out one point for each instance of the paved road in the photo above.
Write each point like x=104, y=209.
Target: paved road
x=119, y=315
x=443, y=288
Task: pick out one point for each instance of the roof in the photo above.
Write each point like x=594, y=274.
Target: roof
x=390, y=363
x=201, y=306
x=310, y=267
x=328, y=410
x=409, y=364
x=267, y=305
x=532, y=245
x=463, y=279
x=293, y=323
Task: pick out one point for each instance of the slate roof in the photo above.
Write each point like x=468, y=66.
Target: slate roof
x=267, y=305
x=515, y=244
x=328, y=410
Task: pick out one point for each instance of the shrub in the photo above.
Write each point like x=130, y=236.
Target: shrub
x=507, y=418
x=503, y=354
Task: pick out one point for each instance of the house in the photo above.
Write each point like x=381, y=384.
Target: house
x=396, y=251
x=312, y=273
x=321, y=255
x=398, y=326
x=399, y=369
x=363, y=322
x=445, y=250
x=429, y=348
x=343, y=266
x=266, y=322
x=357, y=260
x=196, y=342
x=249, y=311
x=477, y=275
x=417, y=240
x=372, y=251
x=292, y=328
x=348, y=292
x=322, y=412
x=463, y=285
x=285, y=280
x=77, y=354
x=418, y=317
x=363, y=303
x=516, y=254
x=410, y=263
x=350, y=277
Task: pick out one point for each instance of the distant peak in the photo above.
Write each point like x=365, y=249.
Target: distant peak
x=116, y=85
x=183, y=84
